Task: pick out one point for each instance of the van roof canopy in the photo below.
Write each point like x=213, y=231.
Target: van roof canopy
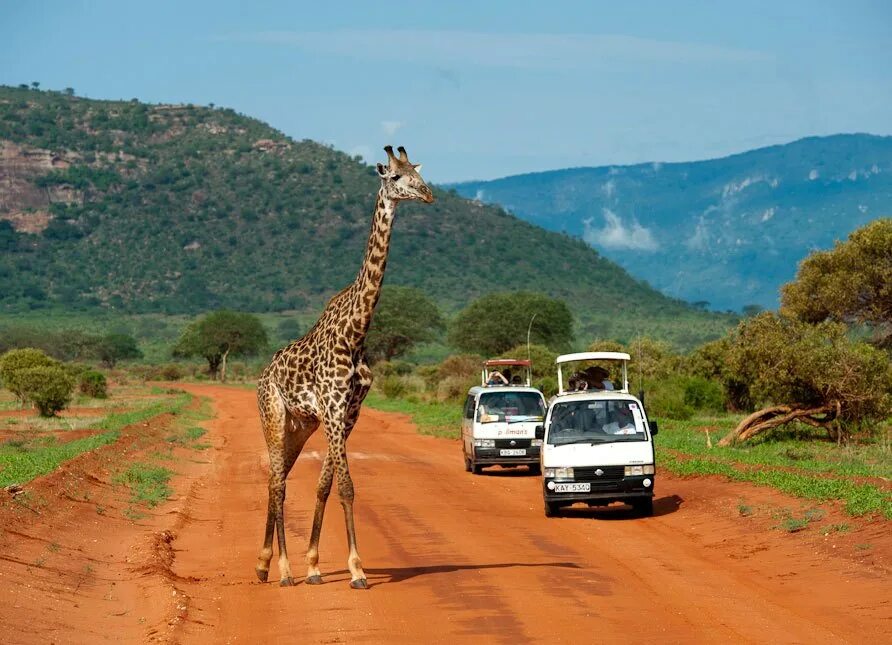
x=593, y=356
x=504, y=362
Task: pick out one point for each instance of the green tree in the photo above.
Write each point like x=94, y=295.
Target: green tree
x=403, y=318
x=16, y=360
x=49, y=387
x=499, y=321
x=289, y=329
x=812, y=374
x=852, y=283
x=112, y=348
x=221, y=334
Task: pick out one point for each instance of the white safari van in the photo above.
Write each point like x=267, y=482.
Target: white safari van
x=500, y=418
x=598, y=442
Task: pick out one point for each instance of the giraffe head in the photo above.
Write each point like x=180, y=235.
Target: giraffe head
x=400, y=178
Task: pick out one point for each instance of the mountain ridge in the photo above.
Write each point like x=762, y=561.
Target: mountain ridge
x=677, y=224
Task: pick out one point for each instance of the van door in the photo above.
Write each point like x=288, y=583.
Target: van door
x=467, y=425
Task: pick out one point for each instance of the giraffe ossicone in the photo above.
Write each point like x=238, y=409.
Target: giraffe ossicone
x=323, y=378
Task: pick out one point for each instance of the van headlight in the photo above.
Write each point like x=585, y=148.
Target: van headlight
x=536, y=443
x=646, y=469
x=559, y=473
x=484, y=443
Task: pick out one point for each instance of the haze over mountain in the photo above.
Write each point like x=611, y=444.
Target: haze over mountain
x=178, y=208
x=727, y=231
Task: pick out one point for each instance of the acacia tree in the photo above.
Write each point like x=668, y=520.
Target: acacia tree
x=852, y=283
x=16, y=360
x=403, y=318
x=812, y=374
x=221, y=334
x=499, y=321
x=111, y=348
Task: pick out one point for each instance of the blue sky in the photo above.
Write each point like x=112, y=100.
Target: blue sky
x=486, y=89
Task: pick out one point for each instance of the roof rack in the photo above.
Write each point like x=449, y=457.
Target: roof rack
x=593, y=356
x=491, y=365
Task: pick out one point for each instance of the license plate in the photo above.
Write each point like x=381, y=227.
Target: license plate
x=513, y=452
x=575, y=487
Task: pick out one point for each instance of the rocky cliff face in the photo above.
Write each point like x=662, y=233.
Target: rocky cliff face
x=24, y=203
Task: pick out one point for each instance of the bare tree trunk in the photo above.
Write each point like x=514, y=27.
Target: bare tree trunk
x=223, y=366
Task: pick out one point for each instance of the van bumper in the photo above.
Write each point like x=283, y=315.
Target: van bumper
x=603, y=492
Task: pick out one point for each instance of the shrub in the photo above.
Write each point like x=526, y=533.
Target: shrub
x=703, y=394
x=393, y=387
x=170, y=372
x=453, y=388
x=49, y=387
x=93, y=384
x=665, y=398
x=15, y=360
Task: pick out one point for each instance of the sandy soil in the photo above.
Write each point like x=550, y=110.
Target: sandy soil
x=451, y=557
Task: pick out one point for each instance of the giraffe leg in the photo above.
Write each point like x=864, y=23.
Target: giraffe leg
x=323, y=488
x=346, y=493
x=283, y=451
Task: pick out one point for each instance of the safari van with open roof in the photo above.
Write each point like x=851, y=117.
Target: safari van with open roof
x=597, y=439
x=500, y=418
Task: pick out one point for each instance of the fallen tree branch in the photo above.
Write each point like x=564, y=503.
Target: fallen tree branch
x=768, y=418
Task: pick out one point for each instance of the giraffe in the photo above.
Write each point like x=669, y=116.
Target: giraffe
x=324, y=377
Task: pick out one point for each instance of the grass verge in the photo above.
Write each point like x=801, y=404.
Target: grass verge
x=148, y=484
x=432, y=418
x=20, y=462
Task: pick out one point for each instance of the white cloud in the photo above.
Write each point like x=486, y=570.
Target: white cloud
x=813, y=174
x=616, y=235
x=448, y=49
x=390, y=127
x=480, y=195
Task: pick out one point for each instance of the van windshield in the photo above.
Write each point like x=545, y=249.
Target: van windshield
x=510, y=406
x=596, y=422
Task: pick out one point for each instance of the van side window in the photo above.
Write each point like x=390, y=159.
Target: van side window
x=469, y=407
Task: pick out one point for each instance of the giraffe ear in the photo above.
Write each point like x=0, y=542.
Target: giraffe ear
x=417, y=167
x=382, y=170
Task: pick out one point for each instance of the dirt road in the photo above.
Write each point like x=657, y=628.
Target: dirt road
x=453, y=557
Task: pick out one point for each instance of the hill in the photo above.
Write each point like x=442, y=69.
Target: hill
x=726, y=231
x=142, y=208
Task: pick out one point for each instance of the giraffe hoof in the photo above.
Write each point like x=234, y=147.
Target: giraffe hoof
x=262, y=574
x=286, y=582
x=314, y=580
x=359, y=583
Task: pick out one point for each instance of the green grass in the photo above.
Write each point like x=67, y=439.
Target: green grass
x=858, y=499
x=22, y=461
x=803, y=449
x=148, y=484
x=432, y=418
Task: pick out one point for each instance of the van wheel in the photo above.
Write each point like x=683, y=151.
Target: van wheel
x=535, y=469
x=551, y=510
x=644, y=506
x=476, y=468
x=467, y=463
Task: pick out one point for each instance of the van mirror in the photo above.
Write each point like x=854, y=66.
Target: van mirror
x=540, y=432
x=654, y=428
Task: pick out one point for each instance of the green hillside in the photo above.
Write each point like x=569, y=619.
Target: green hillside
x=140, y=208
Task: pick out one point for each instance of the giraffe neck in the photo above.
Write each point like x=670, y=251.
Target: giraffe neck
x=367, y=286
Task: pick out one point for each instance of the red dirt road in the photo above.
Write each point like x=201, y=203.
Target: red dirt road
x=453, y=557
